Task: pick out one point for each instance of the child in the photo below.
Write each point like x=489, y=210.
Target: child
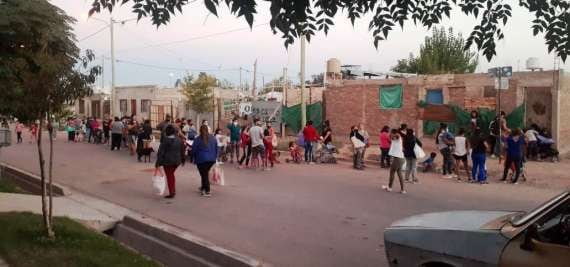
x=294, y=152
x=33, y=132
x=221, y=140
x=429, y=164
x=268, y=143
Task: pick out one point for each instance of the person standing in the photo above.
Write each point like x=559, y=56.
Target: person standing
x=144, y=133
x=444, y=142
x=107, y=130
x=514, y=152
x=19, y=129
x=409, y=143
x=205, y=152
x=530, y=135
x=169, y=157
x=460, y=151
x=310, y=137
x=245, y=143
x=132, y=132
x=397, y=154
x=478, y=157
x=116, y=134
x=366, y=140
x=327, y=135
x=385, y=147
x=358, y=145
x=33, y=132
x=88, y=130
x=257, y=149
x=268, y=143
x=234, y=129
x=70, y=128
x=162, y=126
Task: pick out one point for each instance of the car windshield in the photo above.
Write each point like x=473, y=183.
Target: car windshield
x=523, y=217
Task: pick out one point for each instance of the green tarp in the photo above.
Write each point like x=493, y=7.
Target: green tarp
x=463, y=120
x=291, y=116
x=390, y=96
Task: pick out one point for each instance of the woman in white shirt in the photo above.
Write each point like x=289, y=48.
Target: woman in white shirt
x=460, y=153
x=397, y=154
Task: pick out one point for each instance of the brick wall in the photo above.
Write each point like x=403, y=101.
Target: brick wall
x=354, y=103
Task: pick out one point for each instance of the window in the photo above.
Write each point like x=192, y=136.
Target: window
x=123, y=106
x=390, y=96
x=145, y=105
x=434, y=96
x=81, y=106
x=489, y=91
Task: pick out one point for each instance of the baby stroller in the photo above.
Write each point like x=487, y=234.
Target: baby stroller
x=97, y=136
x=325, y=153
x=545, y=149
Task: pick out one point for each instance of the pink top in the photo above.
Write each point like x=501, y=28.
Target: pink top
x=384, y=140
x=19, y=127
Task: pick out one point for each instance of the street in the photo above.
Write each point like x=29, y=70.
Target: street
x=294, y=215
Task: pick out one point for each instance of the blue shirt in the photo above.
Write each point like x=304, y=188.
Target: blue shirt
x=205, y=152
x=514, y=148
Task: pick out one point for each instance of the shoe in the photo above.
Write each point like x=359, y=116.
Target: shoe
x=416, y=181
x=403, y=192
x=388, y=189
x=170, y=196
x=515, y=183
x=454, y=176
x=311, y=163
x=204, y=194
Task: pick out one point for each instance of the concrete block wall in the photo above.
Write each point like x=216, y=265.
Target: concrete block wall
x=562, y=117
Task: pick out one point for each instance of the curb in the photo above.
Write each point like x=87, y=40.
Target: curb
x=173, y=246
x=29, y=181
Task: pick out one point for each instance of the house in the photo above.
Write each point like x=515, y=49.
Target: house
x=545, y=96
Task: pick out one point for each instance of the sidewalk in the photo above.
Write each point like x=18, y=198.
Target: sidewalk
x=62, y=206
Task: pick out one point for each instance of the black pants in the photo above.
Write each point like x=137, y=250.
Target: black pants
x=385, y=158
x=447, y=160
x=204, y=169
x=71, y=136
x=19, y=134
x=518, y=165
x=246, y=155
x=116, y=141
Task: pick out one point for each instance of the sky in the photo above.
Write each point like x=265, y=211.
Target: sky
x=198, y=41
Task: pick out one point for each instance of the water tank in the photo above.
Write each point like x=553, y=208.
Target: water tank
x=532, y=63
x=333, y=65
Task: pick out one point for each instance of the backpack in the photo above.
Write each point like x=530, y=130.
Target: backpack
x=191, y=134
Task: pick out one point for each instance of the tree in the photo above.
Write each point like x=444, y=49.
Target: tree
x=199, y=92
x=441, y=53
x=298, y=18
x=41, y=72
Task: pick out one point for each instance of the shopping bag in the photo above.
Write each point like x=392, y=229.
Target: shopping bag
x=216, y=175
x=419, y=152
x=158, y=182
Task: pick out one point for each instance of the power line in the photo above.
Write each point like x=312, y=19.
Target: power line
x=93, y=34
x=170, y=68
x=196, y=37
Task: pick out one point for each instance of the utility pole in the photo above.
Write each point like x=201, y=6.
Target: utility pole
x=253, y=91
x=303, y=102
x=113, y=96
x=102, y=73
x=325, y=76
x=285, y=86
x=240, y=84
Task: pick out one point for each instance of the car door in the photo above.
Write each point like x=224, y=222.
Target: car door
x=545, y=243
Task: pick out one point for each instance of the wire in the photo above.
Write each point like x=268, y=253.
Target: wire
x=195, y=37
x=93, y=34
x=170, y=68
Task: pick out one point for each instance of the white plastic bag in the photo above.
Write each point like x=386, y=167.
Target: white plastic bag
x=419, y=152
x=158, y=182
x=216, y=175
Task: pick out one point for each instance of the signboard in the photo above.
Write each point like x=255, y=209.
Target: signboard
x=245, y=109
x=504, y=83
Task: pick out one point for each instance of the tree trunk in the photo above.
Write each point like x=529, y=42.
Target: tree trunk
x=50, y=171
x=198, y=123
x=47, y=222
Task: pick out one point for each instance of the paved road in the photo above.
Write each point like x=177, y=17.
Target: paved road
x=295, y=215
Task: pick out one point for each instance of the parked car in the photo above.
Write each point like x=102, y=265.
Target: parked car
x=540, y=237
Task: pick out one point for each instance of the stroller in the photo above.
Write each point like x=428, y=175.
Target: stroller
x=545, y=149
x=325, y=153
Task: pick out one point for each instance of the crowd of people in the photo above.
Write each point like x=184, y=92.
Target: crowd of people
x=251, y=144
